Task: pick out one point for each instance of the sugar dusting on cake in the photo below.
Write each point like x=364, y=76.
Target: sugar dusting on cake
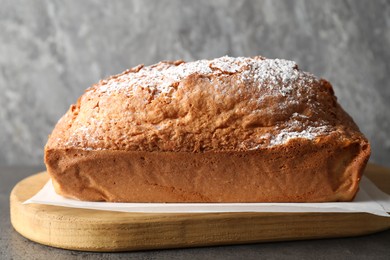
x=295, y=128
x=161, y=78
x=277, y=76
x=309, y=133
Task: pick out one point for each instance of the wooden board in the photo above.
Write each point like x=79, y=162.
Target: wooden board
x=93, y=230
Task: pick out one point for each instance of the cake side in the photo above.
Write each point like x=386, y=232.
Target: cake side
x=301, y=171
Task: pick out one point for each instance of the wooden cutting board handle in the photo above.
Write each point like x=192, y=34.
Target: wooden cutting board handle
x=93, y=230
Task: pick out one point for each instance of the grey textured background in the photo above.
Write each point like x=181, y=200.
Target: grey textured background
x=50, y=51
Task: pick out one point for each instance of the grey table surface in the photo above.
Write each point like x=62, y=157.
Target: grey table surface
x=14, y=246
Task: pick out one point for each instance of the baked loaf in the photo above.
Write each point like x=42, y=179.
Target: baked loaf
x=222, y=130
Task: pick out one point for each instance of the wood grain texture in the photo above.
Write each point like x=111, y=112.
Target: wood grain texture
x=93, y=230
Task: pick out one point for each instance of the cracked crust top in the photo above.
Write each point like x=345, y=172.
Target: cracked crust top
x=224, y=104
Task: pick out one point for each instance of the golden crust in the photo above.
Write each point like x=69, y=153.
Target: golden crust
x=224, y=130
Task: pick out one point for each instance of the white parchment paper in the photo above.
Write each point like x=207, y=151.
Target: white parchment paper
x=369, y=200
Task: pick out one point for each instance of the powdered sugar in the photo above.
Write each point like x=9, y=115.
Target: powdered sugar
x=229, y=64
x=274, y=77
x=308, y=133
x=297, y=128
x=160, y=78
x=276, y=74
